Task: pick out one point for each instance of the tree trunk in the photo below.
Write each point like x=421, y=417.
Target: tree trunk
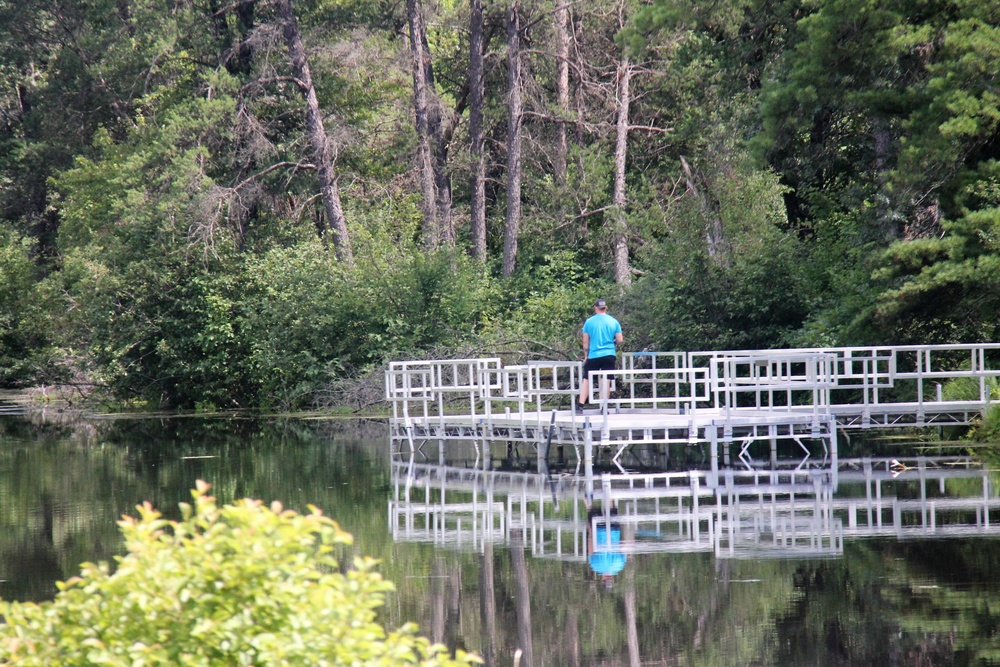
x=422, y=113
x=631, y=615
x=623, y=272
x=513, y=222
x=477, y=185
x=715, y=236
x=316, y=133
x=442, y=183
x=579, y=97
x=522, y=600
x=487, y=601
x=441, y=127
x=562, y=92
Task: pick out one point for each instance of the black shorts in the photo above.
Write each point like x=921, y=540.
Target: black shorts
x=607, y=363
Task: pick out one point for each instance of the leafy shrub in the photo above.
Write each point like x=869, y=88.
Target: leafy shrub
x=310, y=320
x=548, y=302
x=987, y=429
x=239, y=585
x=165, y=330
x=967, y=389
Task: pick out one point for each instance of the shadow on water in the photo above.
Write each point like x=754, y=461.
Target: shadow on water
x=892, y=558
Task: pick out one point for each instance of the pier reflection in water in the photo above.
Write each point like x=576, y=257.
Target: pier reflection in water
x=735, y=513
x=800, y=511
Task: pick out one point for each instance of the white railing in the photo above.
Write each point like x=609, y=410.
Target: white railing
x=673, y=389
x=862, y=386
x=427, y=389
x=896, y=380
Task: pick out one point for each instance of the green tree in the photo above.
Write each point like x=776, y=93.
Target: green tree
x=943, y=287
x=882, y=117
x=734, y=284
x=27, y=349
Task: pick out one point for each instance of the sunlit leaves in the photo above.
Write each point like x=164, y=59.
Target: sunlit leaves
x=242, y=584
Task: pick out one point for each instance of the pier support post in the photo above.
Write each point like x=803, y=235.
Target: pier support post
x=772, y=433
x=713, y=444
x=834, y=458
x=588, y=460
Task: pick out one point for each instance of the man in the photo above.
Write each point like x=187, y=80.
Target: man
x=601, y=334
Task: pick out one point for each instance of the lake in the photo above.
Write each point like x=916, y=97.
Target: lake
x=885, y=559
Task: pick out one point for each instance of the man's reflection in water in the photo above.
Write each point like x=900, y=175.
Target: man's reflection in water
x=604, y=555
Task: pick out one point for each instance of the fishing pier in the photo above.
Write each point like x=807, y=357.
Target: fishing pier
x=766, y=424
x=722, y=401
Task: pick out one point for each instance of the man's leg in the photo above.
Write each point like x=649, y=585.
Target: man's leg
x=608, y=380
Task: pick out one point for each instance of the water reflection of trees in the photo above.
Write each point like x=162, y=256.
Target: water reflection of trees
x=45, y=531
x=900, y=603
x=64, y=482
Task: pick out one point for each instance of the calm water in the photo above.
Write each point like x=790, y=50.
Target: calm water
x=487, y=561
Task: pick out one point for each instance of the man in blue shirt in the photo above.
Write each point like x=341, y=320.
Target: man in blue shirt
x=601, y=336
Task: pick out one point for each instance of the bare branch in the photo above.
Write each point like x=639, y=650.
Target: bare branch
x=651, y=128
x=259, y=83
x=279, y=165
x=551, y=11
x=231, y=6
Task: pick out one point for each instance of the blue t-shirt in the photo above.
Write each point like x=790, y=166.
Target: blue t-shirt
x=601, y=328
x=606, y=559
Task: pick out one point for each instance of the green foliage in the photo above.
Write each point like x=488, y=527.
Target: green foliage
x=968, y=389
x=953, y=131
x=27, y=350
x=548, y=303
x=832, y=107
x=243, y=584
x=167, y=330
x=309, y=319
x=153, y=166
x=945, y=289
x=749, y=295
x=987, y=428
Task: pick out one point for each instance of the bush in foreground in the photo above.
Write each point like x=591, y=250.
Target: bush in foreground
x=243, y=584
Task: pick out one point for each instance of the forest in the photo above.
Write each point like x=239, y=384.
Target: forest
x=219, y=204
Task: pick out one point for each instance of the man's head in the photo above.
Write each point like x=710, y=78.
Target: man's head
x=600, y=305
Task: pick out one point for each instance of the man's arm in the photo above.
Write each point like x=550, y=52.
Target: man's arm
x=586, y=344
x=619, y=339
